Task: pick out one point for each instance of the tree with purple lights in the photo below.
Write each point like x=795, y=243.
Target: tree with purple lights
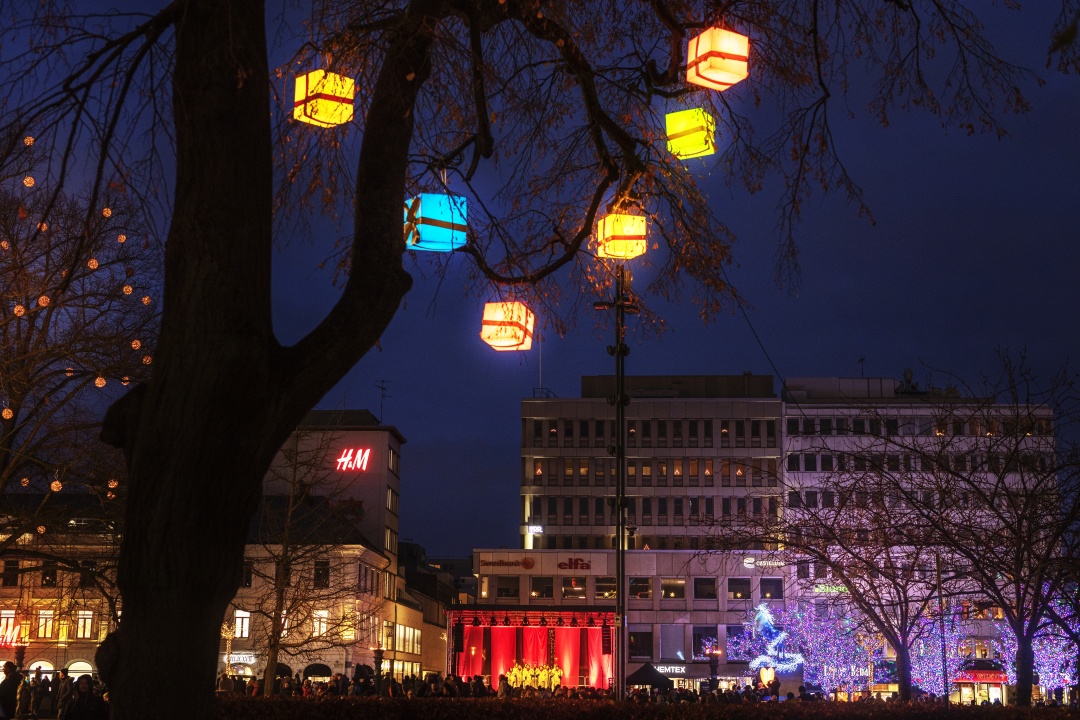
x=559, y=105
x=1055, y=655
x=835, y=648
x=927, y=651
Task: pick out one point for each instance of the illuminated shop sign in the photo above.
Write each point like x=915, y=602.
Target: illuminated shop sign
x=536, y=529
x=671, y=669
x=242, y=659
x=575, y=564
x=526, y=563
x=829, y=589
x=750, y=561
x=354, y=459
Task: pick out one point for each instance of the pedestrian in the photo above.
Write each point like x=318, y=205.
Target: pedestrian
x=64, y=689
x=85, y=704
x=9, y=689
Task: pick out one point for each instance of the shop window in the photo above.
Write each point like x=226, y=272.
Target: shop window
x=673, y=643
x=605, y=588
x=732, y=632
x=704, y=641
x=673, y=588
x=542, y=587
x=704, y=588
x=640, y=644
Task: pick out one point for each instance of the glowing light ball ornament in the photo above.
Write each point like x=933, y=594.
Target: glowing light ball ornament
x=717, y=59
x=436, y=223
x=324, y=98
x=507, y=326
x=691, y=133
x=620, y=236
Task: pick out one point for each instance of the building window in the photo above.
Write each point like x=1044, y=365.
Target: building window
x=45, y=624
x=321, y=576
x=605, y=587
x=802, y=570
x=319, y=621
x=87, y=573
x=391, y=541
x=7, y=624
x=85, y=625
x=704, y=588
x=542, y=587
x=708, y=433
x=793, y=463
x=48, y=573
x=641, y=587
x=392, y=500
x=284, y=573
x=247, y=572
x=508, y=587
x=393, y=460
x=772, y=589
x=673, y=643
x=640, y=643
x=10, y=578
x=673, y=588
x=242, y=623
x=573, y=588
x=738, y=588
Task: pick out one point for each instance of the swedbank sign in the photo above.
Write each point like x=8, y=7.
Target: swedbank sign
x=525, y=563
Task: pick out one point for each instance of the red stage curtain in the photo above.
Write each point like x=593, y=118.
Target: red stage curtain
x=568, y=654
x=503, y=651
x=471, y=660
x=599, y=663
x=535, y=640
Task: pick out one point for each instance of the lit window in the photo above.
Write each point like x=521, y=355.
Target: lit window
x=320, y=619
x=45, y=624
x=85, y=624
x=242, y=622
x=7, y=624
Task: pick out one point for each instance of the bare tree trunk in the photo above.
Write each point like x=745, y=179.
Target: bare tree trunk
x=903, y=671
x=1025, y=669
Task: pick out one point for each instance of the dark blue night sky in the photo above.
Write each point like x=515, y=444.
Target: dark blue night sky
x=975, y=248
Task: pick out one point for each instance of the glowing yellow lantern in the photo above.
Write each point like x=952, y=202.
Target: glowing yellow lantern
x=125, y=380
x=8, y=413
x=691, y=133
x=28, y=181
x=121, y=238
x=507, y=326
x=56, y=486
x=43, y=301
x=43, y=226
x=92, y=264
x=25, y=482
x=5, y=245
x=99, y=382
x=19, y=311
x=128, y=289
x=135, y=344
x=114, y=483
x=620, y=236
x=41, y=529
x=146, y=300
x=28, y=140
x=146, y=359
x=717, y=59
x=106, y=212
x=324, y=98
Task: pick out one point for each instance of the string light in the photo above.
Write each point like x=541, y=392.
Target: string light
x=7, y=413
x=146, y=359
x=43, y=226
x=25, y=482
x=128, y=289
x=28, y=181
x=121, y=238
x=28, y=140
x=135, y=344
x=99, y=381
x=146, y=300
x=114, y=483
x=19, y=311
x=92, y=264
x=43, y=301
x=4, y=244
x=56, y=486
x=106, y=212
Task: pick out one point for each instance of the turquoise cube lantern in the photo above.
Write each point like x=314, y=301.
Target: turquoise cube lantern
x=435, y=222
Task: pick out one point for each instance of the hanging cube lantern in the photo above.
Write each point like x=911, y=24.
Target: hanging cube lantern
x=324, y=98
x=435, y=222
x=620, y=236
x=691, y=133
x=717, y=59
x=507, y=326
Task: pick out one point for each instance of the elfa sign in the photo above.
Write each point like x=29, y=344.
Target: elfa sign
x=354, y=459
x=575, y=564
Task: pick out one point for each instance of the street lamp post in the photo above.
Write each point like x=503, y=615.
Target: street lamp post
x=622, y=304
x=714, y=666
x=377, y=652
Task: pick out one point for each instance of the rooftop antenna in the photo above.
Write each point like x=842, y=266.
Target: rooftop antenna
x=383, y=394
x=862, y=362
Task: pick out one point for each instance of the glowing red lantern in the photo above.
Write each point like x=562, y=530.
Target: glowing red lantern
x=717, y=59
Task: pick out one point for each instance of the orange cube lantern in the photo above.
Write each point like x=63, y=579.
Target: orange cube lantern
x=717, y=59
x=620, y=236
x=507, y=326
x=324, y=98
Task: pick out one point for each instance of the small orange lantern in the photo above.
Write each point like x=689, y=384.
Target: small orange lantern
x=717, y=59
x=324, y=98
x=507, y=326
x=620, y=236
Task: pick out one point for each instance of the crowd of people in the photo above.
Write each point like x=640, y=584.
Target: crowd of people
x=32, y=694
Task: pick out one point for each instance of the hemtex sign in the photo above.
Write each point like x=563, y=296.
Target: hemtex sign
x=354, y=459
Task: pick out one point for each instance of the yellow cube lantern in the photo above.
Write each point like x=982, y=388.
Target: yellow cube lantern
x=507, y=326
x=691, y=133
x=620, y=236
x=324, y=98
x=717, y=59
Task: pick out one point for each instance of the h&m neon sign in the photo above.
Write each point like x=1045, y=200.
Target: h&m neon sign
x=355, y=459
